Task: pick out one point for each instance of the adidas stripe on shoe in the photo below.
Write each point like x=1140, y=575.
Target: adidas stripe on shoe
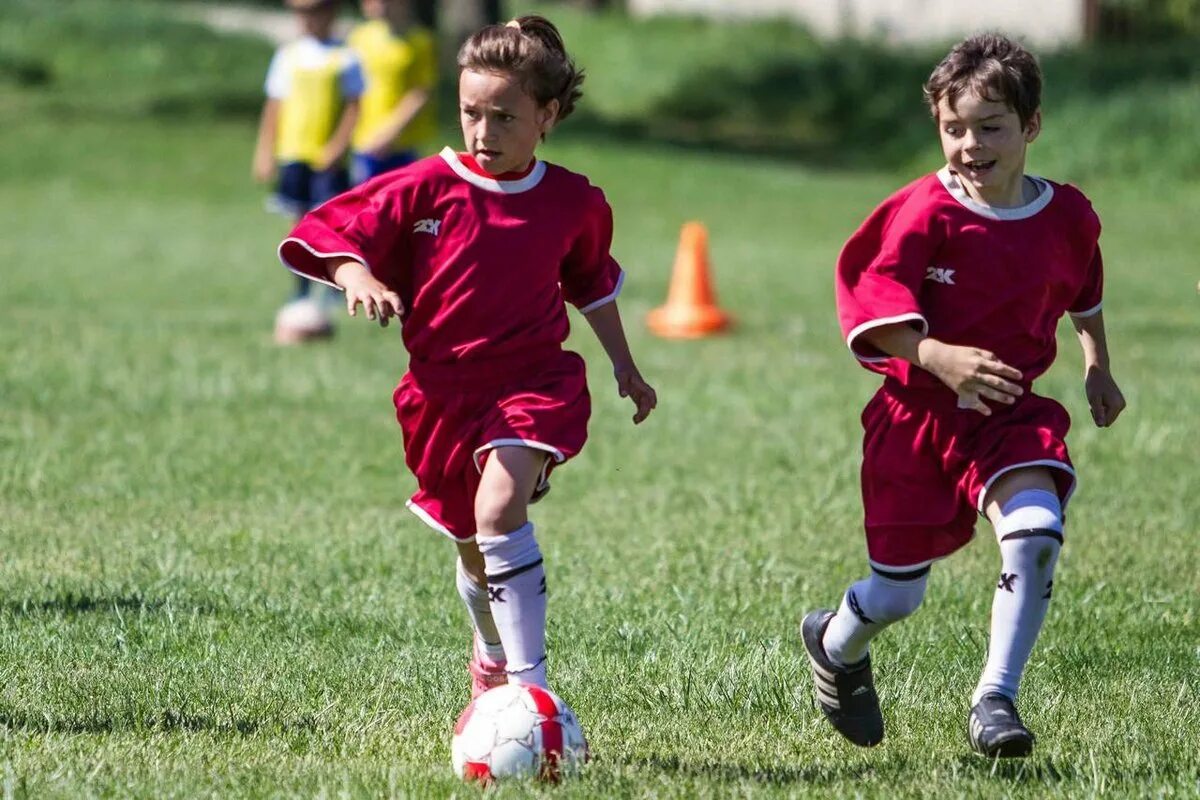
x=846, y=695
x=996, y=730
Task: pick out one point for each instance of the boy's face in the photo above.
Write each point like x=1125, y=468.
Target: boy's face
x=317, y=21
x=374, y=9
x=984, y=143
x=501, y=122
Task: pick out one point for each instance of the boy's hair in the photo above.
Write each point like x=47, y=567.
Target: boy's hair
x=532, y=49
x=992, y=66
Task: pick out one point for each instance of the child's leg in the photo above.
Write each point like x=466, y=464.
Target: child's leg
x=512, y=559
x=473, y=589
x=868, y=607
x=1024, y=508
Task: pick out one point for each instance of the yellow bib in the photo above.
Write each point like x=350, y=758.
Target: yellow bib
x=309, y=111
x=394, y=66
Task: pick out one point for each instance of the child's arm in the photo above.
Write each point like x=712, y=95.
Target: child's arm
x=1103, y=395
x=263, y=167
x=972, y=373
x=405, y=112
x=340, y=141
x=606, y=323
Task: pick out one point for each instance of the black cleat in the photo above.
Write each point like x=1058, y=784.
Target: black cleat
x=995, y=729
x=846, y=695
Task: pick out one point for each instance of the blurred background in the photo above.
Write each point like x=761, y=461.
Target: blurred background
x=831, y=82
x=211, y=587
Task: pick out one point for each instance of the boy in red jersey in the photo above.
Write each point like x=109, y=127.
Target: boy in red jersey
x=476, y=253
x=952, y=289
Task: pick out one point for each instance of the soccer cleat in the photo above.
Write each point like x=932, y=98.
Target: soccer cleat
x=995, y=728
x=846, y=695
x=485, y=674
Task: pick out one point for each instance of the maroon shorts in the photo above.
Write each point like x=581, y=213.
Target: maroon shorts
x=452, y=418
x=926, y=468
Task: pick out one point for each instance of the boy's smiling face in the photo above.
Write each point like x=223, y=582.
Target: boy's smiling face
x=984, y=143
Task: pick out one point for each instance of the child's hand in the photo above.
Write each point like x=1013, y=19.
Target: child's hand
x=263, y=168
x=1103, y=396
x=331, y=155
x=361, y=286
x=972, y=373
x=631, y=384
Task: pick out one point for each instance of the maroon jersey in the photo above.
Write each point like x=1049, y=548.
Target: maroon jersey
x=968, y=274
x=482, y=265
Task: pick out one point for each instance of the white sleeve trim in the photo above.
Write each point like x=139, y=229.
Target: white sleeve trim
x=318, y=254
x=608, y=298
x=1091, y=312
x=876, y=323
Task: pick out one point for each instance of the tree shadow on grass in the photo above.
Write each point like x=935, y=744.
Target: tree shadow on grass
x=157, y=721
x=775, y=775
x=72, y=603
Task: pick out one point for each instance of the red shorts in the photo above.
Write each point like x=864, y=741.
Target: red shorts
x=452, y=418
x=926, y=470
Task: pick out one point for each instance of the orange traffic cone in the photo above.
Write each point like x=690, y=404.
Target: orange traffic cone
x=691, y=309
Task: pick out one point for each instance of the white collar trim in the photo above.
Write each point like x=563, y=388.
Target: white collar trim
x=956, y=190
x=491, y=184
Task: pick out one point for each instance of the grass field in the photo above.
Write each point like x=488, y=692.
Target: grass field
x=210, y=586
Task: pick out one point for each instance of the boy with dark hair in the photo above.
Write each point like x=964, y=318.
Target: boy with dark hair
x=952, y=289
x=313, y=87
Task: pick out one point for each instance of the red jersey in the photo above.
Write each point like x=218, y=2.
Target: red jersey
x=482, y=265
x=968, y=274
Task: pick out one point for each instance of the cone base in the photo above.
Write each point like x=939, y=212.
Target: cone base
x=687, y=322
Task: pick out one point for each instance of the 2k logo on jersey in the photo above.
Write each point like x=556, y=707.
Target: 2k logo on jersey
x=429, y=226
x=940, y=275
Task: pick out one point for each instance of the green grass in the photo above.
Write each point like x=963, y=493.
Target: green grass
x=210, y=586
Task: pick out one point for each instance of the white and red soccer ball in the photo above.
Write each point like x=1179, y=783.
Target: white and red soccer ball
x=517, y=731
x=302, y=320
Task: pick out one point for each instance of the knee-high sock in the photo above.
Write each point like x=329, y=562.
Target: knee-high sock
x=868, y=607
x=1030, y=534
x=517, y=591
x=475, y=597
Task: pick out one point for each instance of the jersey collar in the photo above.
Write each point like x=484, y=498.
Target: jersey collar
x=493, y=184
x=956, y=190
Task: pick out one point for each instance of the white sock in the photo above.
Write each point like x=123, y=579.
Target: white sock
x=475, y=597
x=517, y=591
x=867, y=608
x=1030, y=534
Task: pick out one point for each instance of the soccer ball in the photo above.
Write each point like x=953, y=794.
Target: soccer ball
x=301, y=320
x=517, y=731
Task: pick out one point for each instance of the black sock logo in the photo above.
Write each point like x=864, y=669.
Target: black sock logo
x=857, y=609
x=1007, y=579
x=542, y=587
x=496, y=594
x=1049, y=590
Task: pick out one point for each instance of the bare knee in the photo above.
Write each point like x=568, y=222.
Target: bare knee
x=508, y=480
x=499, y=510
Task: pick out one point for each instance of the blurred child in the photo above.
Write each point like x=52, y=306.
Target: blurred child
x=312, y=87
x=396, y=123
x=952, y=290
x=476, y=253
